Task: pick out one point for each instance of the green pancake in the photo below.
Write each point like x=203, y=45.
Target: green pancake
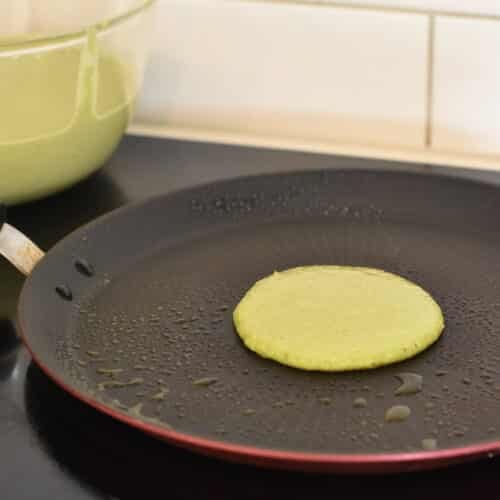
x=335, y=318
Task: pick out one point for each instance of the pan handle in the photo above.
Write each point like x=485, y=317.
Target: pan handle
x=16, y=247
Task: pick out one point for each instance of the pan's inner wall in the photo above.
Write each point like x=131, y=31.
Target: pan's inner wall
x=152, y=334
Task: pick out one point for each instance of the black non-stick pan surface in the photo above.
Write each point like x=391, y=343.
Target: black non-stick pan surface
x=149, y=338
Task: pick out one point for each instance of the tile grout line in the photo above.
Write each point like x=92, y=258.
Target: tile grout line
x=380, y=8
x=430, y=81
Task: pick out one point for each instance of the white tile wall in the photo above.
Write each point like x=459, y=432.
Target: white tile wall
x=293, y=70
x=480, y=7
x=315, y=72
x=466, y=114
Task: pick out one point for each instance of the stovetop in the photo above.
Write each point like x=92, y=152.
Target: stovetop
x=53, y=446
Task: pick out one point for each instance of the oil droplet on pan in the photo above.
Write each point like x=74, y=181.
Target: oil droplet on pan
x=411, y=383
x=429, y=444
x=83, y=267
x=205, y=381
x=325, y=401
x=117, y=384
x=110, y=372
x=360, y=403
x=160, y=396
x=64, y=292
x=397, y=413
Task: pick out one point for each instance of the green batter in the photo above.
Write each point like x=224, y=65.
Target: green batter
x=335, y=318
x=63, y=113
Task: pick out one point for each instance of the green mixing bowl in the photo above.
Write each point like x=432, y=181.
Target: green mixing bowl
x=69, y=76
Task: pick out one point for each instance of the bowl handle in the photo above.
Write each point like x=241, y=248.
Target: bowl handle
x=18, y=249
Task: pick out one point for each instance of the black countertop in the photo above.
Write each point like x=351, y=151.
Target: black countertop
x=52, y=446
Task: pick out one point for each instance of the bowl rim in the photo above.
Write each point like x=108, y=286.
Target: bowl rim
x=38, y=40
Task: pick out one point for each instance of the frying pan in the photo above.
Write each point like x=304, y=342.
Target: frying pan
x=132, y=315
